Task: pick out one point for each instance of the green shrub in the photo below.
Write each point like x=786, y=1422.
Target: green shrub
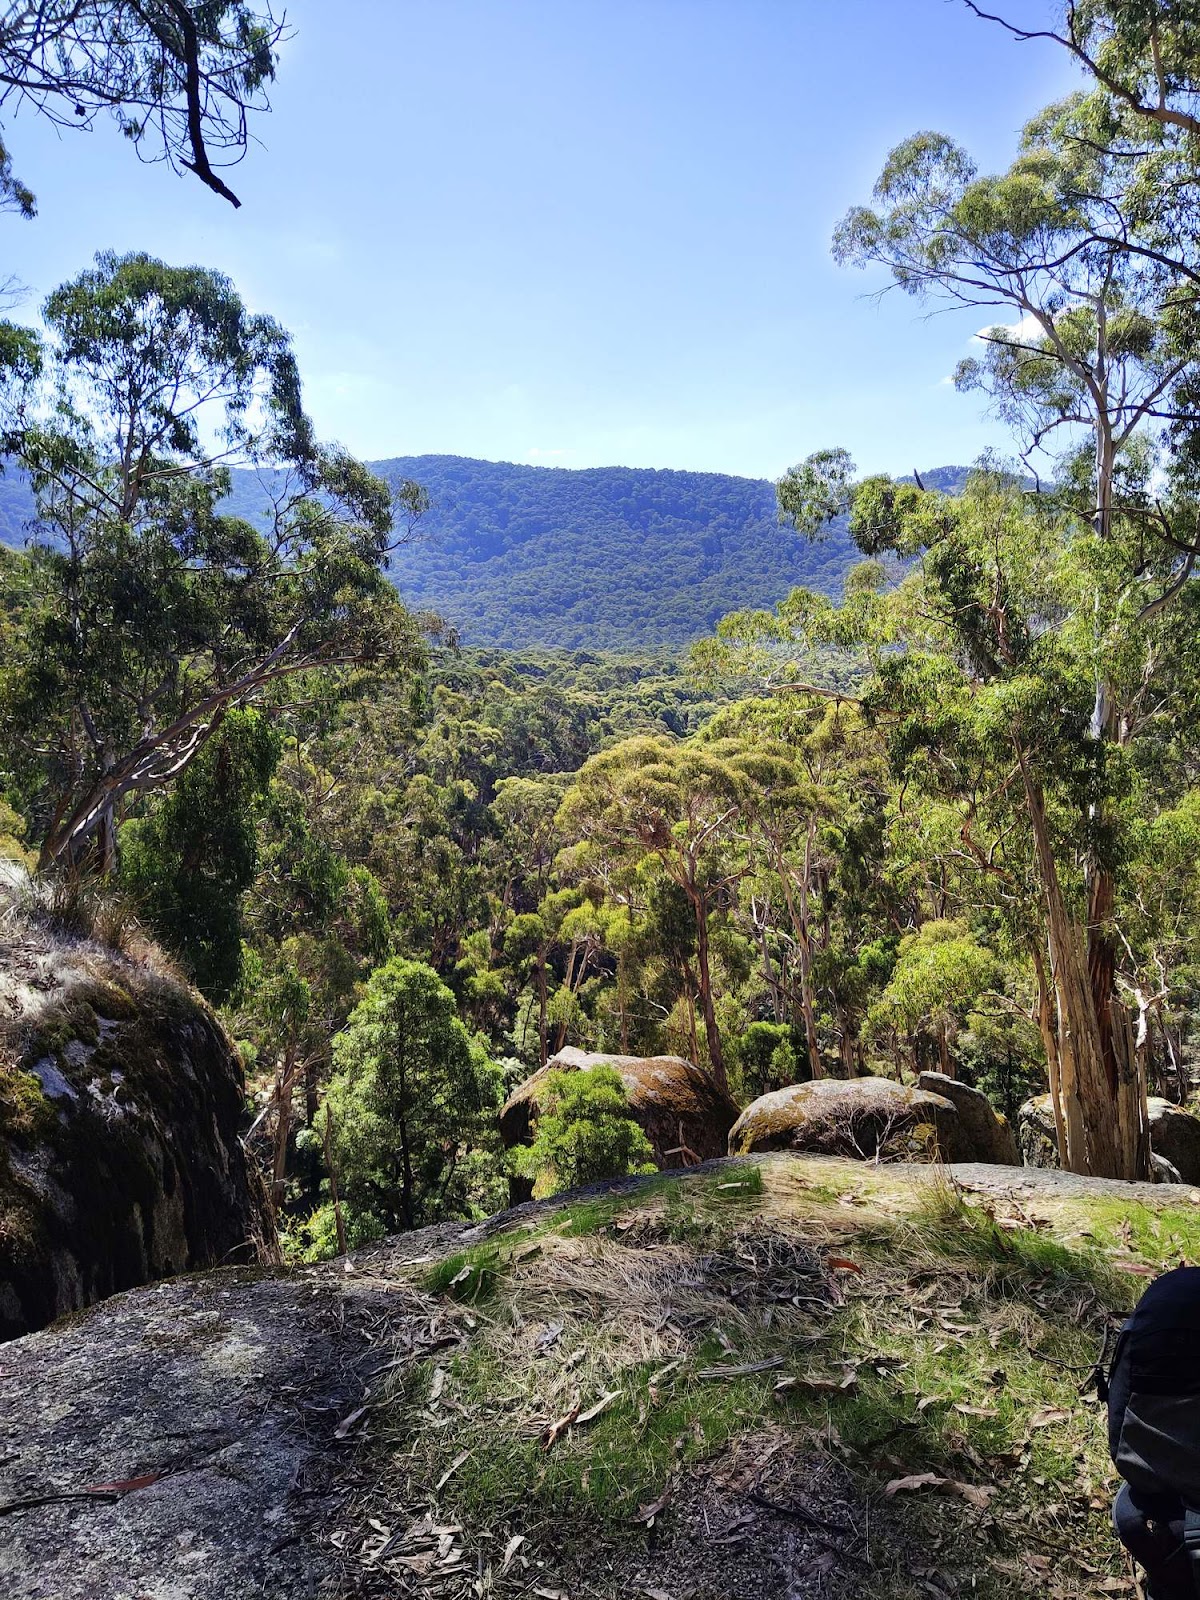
x=767, y=1057
x=586, y=1133
x=315, y=1239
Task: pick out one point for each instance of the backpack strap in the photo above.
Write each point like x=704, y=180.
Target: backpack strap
x=1101, y=1373
x=1191, y=1542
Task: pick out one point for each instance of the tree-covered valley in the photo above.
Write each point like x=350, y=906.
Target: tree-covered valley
x=611, y=559
x=610, y=1031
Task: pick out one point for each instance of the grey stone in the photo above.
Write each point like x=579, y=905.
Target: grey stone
x=990, y=1136
x=860, y=1117
x=223, y=1392
x=1174, y=1138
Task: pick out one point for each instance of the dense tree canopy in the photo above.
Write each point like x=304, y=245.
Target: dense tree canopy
x=151, y=615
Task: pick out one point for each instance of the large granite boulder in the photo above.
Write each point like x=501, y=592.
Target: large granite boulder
x=121, y=1097
x=1174, y=1138
x=680, y=1108
x=860, y=1118
x=989, y=1134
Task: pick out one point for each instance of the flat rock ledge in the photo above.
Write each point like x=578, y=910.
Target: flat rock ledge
x=213, y=1404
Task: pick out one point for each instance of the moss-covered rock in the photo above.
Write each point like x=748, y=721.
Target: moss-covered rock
x=989, y=1133
x=680, y=1108
x=861, y=1118
x=120, y=1102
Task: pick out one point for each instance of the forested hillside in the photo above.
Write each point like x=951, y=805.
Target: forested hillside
x=607, y=558
x=610, y=558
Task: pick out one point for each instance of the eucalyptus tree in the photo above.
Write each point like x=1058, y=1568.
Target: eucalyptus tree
x=678, y=806
x=1013, y=611
x=1099, y=365
x=152, y=612
x=819, y=784
x=180, y=78
x=1142, y=55
x=525, y=813
x=940, y=973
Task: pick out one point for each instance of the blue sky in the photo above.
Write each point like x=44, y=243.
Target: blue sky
x=579, y=232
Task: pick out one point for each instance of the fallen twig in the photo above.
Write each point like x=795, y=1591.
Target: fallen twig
x=102, y=1496
x=815, y=1524
x=745, y=1370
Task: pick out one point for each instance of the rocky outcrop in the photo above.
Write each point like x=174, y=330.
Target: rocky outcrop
x=293, y=1434
x=861, y=1118
x=680, y=1108
x=120, y=1102
x=1036, y=1137
x=1174, y=1138
x=211, y=1404
x=989, y=1134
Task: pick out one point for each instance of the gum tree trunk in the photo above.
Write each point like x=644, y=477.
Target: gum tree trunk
x=1100, y=1090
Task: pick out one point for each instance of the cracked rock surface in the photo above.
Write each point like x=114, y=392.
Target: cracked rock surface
x=224, y=1394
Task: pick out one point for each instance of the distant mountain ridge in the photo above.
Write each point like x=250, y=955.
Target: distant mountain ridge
x=594, y=558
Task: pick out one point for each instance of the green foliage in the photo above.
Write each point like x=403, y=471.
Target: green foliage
x=766, y=1058
x=412, y=1099
x=150, y=614
x=190, y=860
x=12, y=837
x=315, y=1237
x=939, y=974
x=585, y=1133
x=1002, y=1054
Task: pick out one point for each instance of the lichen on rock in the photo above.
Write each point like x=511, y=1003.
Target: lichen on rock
x=121, y=1098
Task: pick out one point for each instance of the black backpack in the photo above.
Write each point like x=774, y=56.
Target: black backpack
x=1153, y=1395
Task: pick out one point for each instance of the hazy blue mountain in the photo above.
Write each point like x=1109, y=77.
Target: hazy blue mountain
x=603, y=558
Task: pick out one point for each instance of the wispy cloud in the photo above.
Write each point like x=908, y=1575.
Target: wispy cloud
x=1027, y=331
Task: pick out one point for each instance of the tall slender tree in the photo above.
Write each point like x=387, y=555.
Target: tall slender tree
x=155, y=613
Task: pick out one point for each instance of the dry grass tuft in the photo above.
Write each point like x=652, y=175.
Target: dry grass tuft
x=664, y=1393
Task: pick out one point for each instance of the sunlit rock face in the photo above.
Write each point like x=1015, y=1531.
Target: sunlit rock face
x=990, y=1134
x=860, y=1118
x=121, y=1098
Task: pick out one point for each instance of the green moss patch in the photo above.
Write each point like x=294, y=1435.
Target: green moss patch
x=26, y=1115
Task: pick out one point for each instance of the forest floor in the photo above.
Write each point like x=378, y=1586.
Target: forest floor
x=781, y=1376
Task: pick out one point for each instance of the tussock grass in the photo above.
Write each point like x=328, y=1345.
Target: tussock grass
x=926, y=1334
x=470, y=1276
x=58, y=908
